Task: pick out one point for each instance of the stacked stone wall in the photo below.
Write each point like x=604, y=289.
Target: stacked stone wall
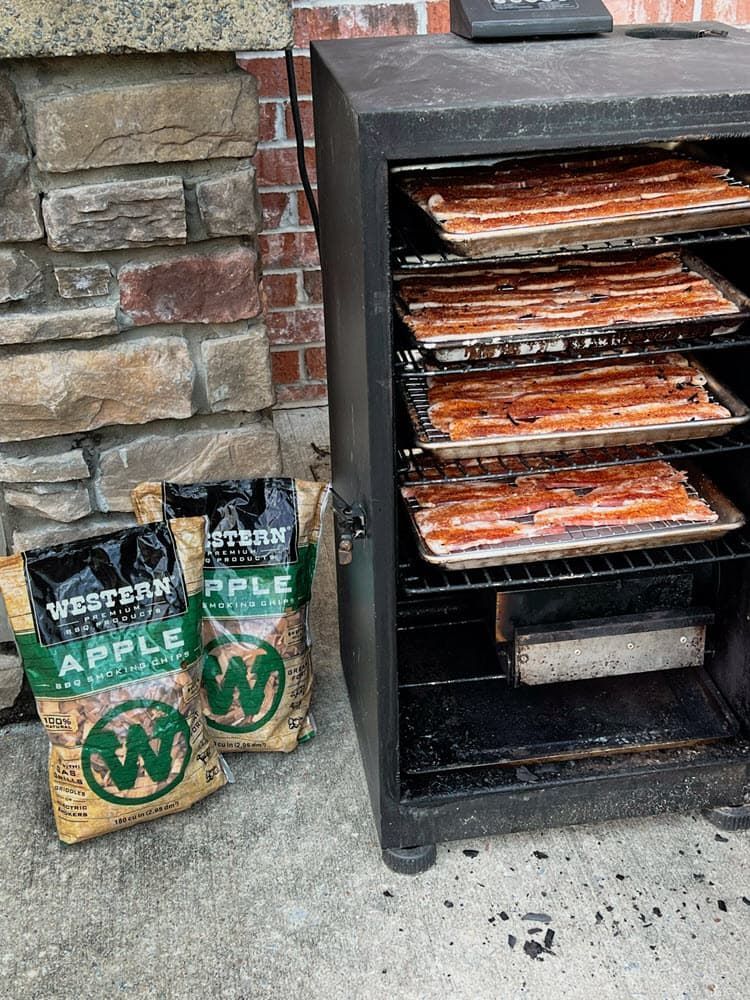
x=132, y=339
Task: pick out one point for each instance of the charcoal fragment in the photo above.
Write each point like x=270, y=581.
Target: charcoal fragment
x=388, y=893
x=540, y=854
x=533, y=949
x=524, y=774
x=549, y=937
x=722, y=905
x=512, y=941
x=722, y=840
x=537, y=918
x=471, y=853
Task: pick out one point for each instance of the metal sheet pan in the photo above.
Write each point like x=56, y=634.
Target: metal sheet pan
x=482, y=347
x=431, y=439
x=510, y=241
x=593, y=541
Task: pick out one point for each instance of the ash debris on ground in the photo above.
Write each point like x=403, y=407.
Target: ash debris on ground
x=541, y=921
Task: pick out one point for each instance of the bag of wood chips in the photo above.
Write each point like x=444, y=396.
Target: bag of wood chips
x=261, y=549
x=109, y=632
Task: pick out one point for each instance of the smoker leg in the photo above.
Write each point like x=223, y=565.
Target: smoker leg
x=410, y=860
x=729, y=817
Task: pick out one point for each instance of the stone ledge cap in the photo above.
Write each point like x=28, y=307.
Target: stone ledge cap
x=83, y=27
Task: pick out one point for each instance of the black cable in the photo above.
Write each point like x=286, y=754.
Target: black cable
x=300, y=139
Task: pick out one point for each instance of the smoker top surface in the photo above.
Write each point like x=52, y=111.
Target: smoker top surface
x=444, y=71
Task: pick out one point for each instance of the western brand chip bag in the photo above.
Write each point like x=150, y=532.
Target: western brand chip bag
x=261, y=550
x=109, y=632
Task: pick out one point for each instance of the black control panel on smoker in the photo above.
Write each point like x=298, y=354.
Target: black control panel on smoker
x=488, y=19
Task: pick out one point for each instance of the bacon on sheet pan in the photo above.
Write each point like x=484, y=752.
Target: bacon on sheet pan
x=554, y=191
x=571, y=294
x=455, y=517
x=571, y=398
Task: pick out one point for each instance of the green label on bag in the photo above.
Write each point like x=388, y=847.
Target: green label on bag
x=120, y=750
x=259, y=590
x=80, y=666
x=245, y=679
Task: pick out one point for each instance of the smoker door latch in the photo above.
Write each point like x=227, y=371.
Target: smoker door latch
x=351, y=523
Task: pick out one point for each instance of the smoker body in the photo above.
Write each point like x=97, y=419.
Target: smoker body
x=383, y=102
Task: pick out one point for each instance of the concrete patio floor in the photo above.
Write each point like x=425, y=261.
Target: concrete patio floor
x=275, y=887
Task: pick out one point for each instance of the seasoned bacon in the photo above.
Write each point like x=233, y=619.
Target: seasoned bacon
x=613, y=475
x=442, y=541
x=515, y=499
x=675, y=506
x=454, y=517
x=550, y=192
x=640, y=416
x=446, y=285
x=578, y=398
x=479, y=385
x=573, y=295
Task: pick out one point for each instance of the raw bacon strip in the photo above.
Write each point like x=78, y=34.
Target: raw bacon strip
x=529, y=414
x=612, y=475
x=610, y=194
x=511, y=500
x=478, y=427
x=609, y=209
x=440, y=303
x=580, y=398
x=565, y=271
x=536, y=406
x=531, y=405
x=573, y=376
x=505, y=298
x=463, y=514
x=584, y=308
x=446, y=540
x=623, y=271
x=579, y=374
x=636, y=510
x=531, y=327
x=535, y=173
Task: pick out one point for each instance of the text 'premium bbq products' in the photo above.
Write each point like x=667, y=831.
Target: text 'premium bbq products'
x=109, y=632
x=261, y=550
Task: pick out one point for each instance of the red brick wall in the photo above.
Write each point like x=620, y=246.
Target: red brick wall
x=291, y=276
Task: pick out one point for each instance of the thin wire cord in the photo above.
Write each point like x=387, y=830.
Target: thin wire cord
x=292, y=83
